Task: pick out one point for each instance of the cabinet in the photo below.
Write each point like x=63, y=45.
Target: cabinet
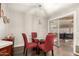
x=6, y=48
x=6, y=51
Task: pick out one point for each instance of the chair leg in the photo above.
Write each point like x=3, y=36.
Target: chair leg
x=26, y=51
x=52, y=53
x=38, y=51
x=45, y=53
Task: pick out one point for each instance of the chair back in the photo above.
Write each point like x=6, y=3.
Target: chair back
x=49, y=42
x=34, y=35
x=52, y=34
x=25, y=38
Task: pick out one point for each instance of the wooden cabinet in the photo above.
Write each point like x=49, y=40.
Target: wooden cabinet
x=6, y=51
x=6, y=48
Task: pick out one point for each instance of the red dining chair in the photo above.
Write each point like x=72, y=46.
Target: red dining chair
x=54, y=35
x=48, y=45
x=51, y=34
x=34, y=37
x=28, y=45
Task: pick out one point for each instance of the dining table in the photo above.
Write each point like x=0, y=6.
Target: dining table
x=41, y=40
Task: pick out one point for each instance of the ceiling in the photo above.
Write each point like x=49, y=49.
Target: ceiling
x=48, y=7
x=69, y=17
x=52, y=7
x=20, y=7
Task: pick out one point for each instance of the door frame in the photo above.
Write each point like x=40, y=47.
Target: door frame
x=74, y=26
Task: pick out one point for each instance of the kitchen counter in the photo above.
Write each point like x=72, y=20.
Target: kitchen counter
x=5, y=43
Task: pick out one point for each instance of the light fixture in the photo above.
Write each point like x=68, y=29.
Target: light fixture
x=39, y=20
x=39, y=5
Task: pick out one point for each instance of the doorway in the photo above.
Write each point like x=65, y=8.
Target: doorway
x=63, y=28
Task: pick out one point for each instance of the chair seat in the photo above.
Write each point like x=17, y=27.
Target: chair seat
x=31, y=45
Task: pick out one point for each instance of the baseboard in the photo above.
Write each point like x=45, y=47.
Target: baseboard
x=77, y=49
x=19, y=45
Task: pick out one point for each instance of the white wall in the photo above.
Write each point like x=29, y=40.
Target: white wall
x=3, y=27
x=77, y=27
x=32, y=23
x=15, y=26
